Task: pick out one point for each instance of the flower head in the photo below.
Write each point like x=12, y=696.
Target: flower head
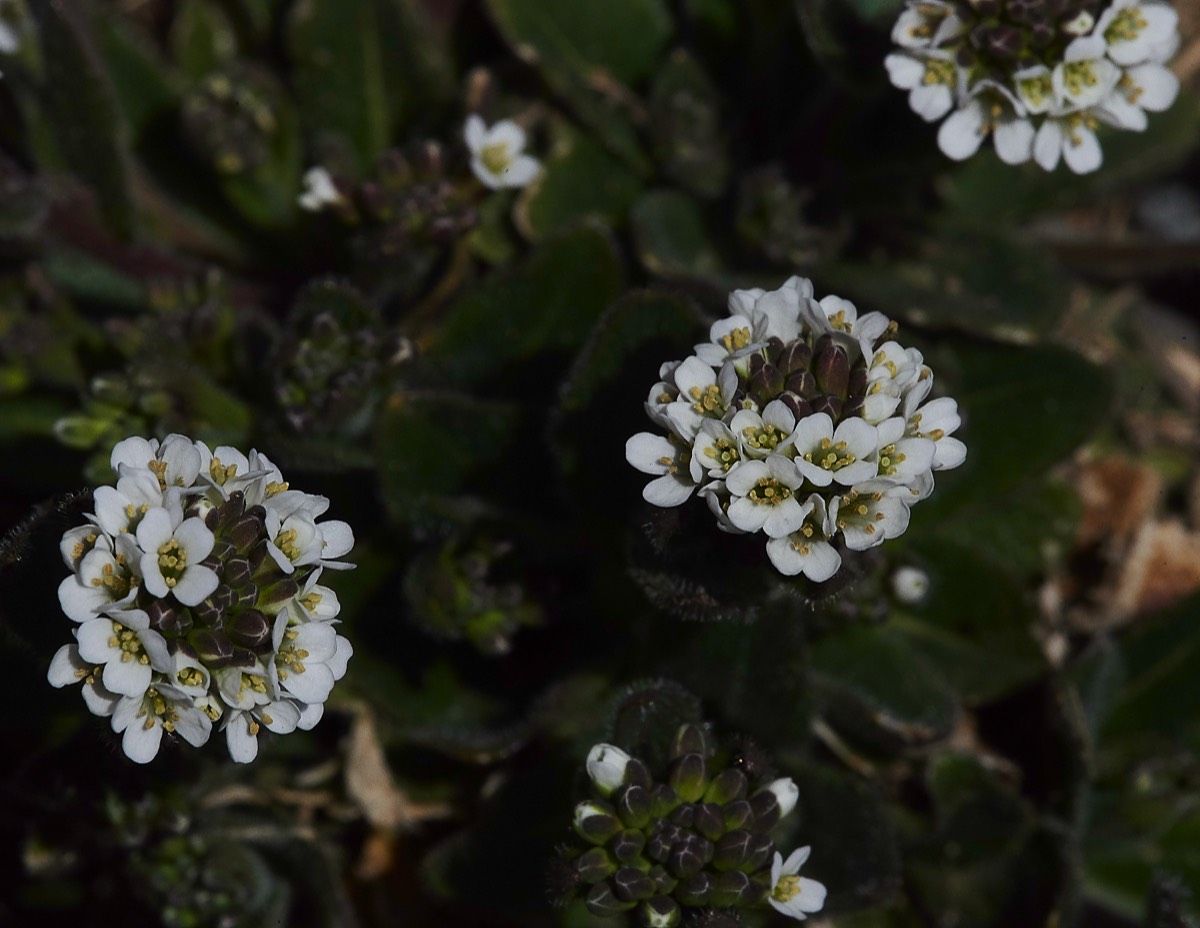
x=803, y=420
x=1038, y=78
x=497, y=153
x=194, y=593
x=793, y=895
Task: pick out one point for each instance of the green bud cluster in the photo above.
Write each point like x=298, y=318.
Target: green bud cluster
x=698, y=838
x=1025, y=32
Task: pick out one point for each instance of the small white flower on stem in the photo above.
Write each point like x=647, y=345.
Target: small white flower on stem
x=825, y=454
x=794, y=895
x=497, y=158
x=807, y=551
x=668, y=458
x=764, y=496
x=870, y=513
x=144, y=718
x=173, y=552
x=127, y=648
x=1133, y=30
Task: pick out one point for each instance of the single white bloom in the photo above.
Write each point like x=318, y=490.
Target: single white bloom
x=763, y=496
x=716, y=452
x=732, y=339
x=1071, y=138
x=175, y=462
x=107, y=577
x=937, y=421
x=910, y=584
x=870, y=513
x=777, y=313
x=77, y=542
x=606, y=766
x=703, y=394
x=1084, y=77
x=314, y=603
x=807, y=551
x=902, y=459
x=309, y=658
x=226, y=470
x=128, y=649
x=760, y=435
x=669, y=459
x=992, y=109
x=1146, y=87
x=319, y=191
x=930, y=79
x=927, y=24
x=496, y=153
x=67, y=668
x=299, y=540
x=793, y=895
x=825, y=455
x=145, y=717
x=121, y=508
x=173, y=552
x=662, y=395
x=243, y=725
x=1133, y=29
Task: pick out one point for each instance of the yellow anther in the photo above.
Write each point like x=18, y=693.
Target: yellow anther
x=254, y=728
x=275, y=487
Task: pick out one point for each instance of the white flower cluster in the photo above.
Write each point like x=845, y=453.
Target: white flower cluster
x=803, y=420
x=1040, y=76
x=195, y=592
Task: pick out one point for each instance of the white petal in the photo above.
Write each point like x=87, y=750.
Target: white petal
x=646, y=452
x=93, y=636
x=195, y=538
x=475, y=133
x=1047, y=144
x=670, y=490
x=904, y=71
x=127, y=678
x=79, y=602
x=140, y=743
x=962, y=133
x=931, y=101
x=154, y=531
x=521, y=171
x=1014, y=141
x=243, y=746
x=1082, y=151
x=63, y=666
x=1159, y=86
x=310, y=715
x=135, y=451
x=314, y=685
x=195, y=585
x=338, y=538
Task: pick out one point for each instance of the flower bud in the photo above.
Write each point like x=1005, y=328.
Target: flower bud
x=236, y=571
x=732, y=850
x=830, y=405
x=794, y=358
x=249, y=628
x=731, y=888
x=596, y=822
x=595, y=865
x=832, y=370
x=689, y=776
x=695, y=889
x=804, y=384
x=603, y=904
x=738, y=814
x=663, y=800
x=638, y=774
x=759, y=852
x=663, y=881
x=799, y=407
x=786, y=792
x=214, y=647
x=659, y=847
x=278, y=592
x=910, y=584
x=171, y=621
x=634, y=806
x=606, y=767
x=689, y=739
x=630, y=884
x=709, y=821
x=727, y=786
x=684, y=816
x=767, y=383
x=627, y=845
x=686, y=858
x=660, y=912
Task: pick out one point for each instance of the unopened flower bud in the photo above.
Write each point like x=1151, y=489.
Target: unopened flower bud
x=910, y=585
x=709, y=821
x=638, y=774
x=732, y=888
x=727, y=786
x=606, y=767
x=804, y=384
x=602, y=903
x=249, y=628
x=663, y=800
x=214, y=647
x=732, y=850
x=759, y=852
x=799, y=407
x=689, y=776
x=663, y=881
x=686, y=858
x=794, y=358
x=684, y=816
x=738, y=814
x=630, y=884
x=171, y=621
x=694, y=889
x=786, y=792
x=596, y=821
x=689, y=739
x=627, y=845
x=832, y=370
x=236, y=571
x=660, y=912
x=830, y=405
x=595, y=865
x=634, y=806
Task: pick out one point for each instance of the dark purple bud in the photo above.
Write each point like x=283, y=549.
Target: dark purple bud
x=663, y=800
x=236, y=571
x=214, y=647
x=684, y=816
x=858, y=382
x=627, y=845
x=832, y=370
x=766, y=810
x=279, y=592
x=595, y=865
x=603, y=904
x=171, y=620
x=803, y=383
x=709, y=820
x=732, y=850
x=689, y=776
x=249, y=628
x=637, y=773
x=596, y=821
x=738, y=814
x=694, y=889
x=794, y=358
x=659, y=847
x=731, y=888
x=663, y=881
x=208, y=613
x=223, y=550
x=247, y=596
x=726, y=786
x=760, y=852
x=799, y=407
x=774, y=348
x=634, y=805
x=685, y=859
x=767, y=383
x=630, y=884
x=689, y=739
x=830, y=405
x=257, y=554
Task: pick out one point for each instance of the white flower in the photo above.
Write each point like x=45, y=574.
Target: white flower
x=128, y=649
x=992, y=109
x=807, y=551
x=1071, y=138
x=825, y=454
x=1133, y=29
x=68, y=667
x=319, y=191
x=760, y=435
x=902, y=459
x=931, y=80
x=298, y=540
x=606, y=766
x=910, y=584
x=667, y=457
x=226, y=469
x=496, y=153
x=144, y=718
x=731, y=339
x=107, y=576
x=173, y=552
x=1084, y=77
x=937, y=420
x=121, y=508
x=927, y=24
x=315, y=603
x=703, y=394
x=793, y=895
x=175, y=462
x=763, y=496
x=309, y=658
x=1145, y=87
x=870, y=513
x=716, y=452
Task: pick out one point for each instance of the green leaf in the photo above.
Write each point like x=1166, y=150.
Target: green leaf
x=981, y=815
x=671, y=241
x=363, y=69
x=581, y=180
x=589, y=53
x=875, y=688
x=548, y=304
x=79, y=105
x=428, y=444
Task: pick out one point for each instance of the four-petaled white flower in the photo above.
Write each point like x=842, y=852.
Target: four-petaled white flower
x=497, y=157
x=174, y=548
x=794, y=895
x=1037, y=99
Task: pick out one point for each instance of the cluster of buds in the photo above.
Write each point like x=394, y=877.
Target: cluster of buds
x=698, y=840
x=230, y=119
x=1038, y=75
x=194, y=589
x=802, y=420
